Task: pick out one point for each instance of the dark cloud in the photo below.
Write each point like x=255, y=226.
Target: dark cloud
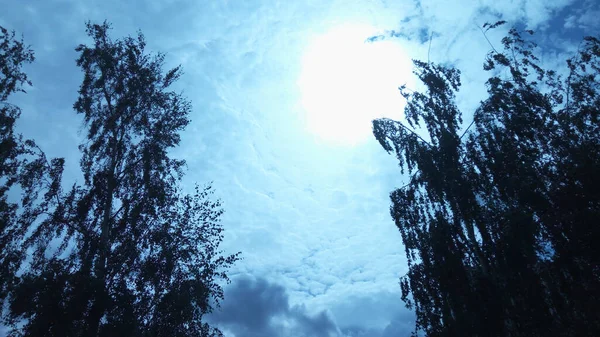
x=371, y=313
x=380, y=314
x=356, y=331
x=399, y=327
x=255, y=307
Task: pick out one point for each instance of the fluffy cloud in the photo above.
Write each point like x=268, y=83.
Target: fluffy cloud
x=255, y=307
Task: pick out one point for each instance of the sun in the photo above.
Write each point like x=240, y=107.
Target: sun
x=346, y=82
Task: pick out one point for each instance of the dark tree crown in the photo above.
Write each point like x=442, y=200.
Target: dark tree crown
x=126, y=253
x=499, y=222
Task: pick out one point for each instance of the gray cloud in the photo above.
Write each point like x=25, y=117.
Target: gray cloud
x=399, y=327
x=378, y=314
x=255, y=307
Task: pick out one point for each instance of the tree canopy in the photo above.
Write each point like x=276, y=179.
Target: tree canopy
x=500, y=222
x=128, y=252
x=22, y=164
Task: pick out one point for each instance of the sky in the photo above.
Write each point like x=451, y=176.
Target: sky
x=283, y=93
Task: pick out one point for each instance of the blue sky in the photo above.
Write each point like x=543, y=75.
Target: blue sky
x=283, y=92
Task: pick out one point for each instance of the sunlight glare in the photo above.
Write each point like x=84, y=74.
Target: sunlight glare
x=346, y=82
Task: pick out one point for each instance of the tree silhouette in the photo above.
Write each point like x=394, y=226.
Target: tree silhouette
x=22, y=164
x=127, y=253
x=499, y=221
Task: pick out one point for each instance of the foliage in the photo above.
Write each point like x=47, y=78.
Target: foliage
x=22, y=163
x=499, y=223
x=127, y=253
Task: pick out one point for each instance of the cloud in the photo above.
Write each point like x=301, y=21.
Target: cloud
x=396, y=328
x=584, y=17
x=255, y=307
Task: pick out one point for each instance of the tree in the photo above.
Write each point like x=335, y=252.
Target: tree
x=22, y=163
x=13, y=54
x=499, y=222
x=127, y=253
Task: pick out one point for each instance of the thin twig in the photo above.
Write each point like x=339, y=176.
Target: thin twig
x=429, y=49
x=468, y=127
x=488, y=40
x=410, y=130
x=412, y=176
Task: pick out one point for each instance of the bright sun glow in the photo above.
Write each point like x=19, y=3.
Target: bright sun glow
x=346, y=82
